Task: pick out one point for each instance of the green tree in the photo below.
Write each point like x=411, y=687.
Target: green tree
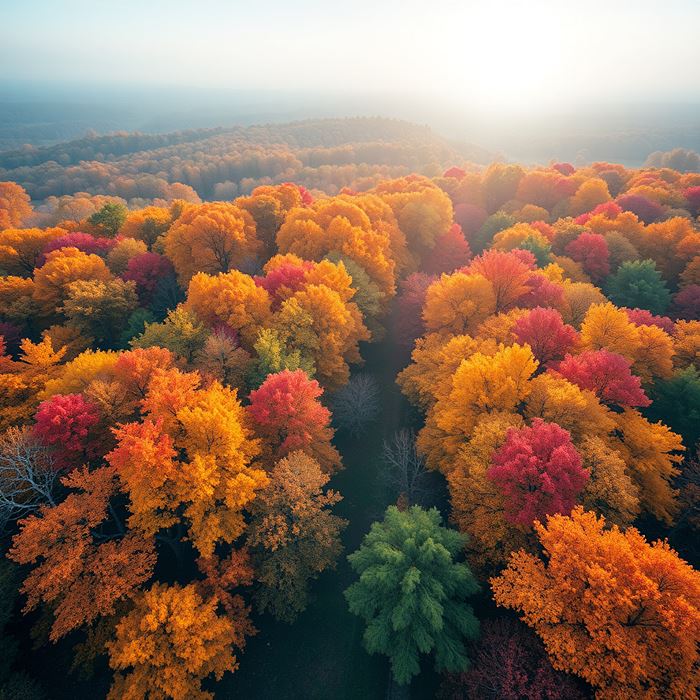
x=676, y=402
x=411, y=592
x=182, y=333
x=638, y=284
x=109, y=219
x=274, y=355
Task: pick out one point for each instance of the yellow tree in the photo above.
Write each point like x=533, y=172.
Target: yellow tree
x=170, y=642
x=211, y=237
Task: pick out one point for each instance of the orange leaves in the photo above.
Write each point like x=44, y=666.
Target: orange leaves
x=212, y=237
x=622, y=614
x=76, y=572
x=171, y=641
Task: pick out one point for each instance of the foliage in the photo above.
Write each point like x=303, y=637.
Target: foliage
x=609, y=607
x=411, y=592
x=293, y=534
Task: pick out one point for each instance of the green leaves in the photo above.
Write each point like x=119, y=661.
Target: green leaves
x=411, y=592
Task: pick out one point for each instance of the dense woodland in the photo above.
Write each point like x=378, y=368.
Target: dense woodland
x=177, y=380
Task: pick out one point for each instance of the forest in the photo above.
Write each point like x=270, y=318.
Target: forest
x=309, y=411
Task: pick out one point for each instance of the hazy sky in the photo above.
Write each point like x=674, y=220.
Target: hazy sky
x=510, y=55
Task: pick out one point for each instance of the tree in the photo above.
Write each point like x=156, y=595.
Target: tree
x=458, y=303
x=27, y=474
x=78, y=571
x=76, y=239
x=404, y=469
x=647, y=210
x=677, y=402
x=411, y=592
x=52, y=279
x=611, y=608
x=451, y=252
x=687, y=302
x=232, y=298
x=189, y=461
x=146, y=270
x=64, y=422
x=408, y=314
x=210, y=238
x=607, y=374
x=481, y=384
x=510, y=663
x=182, y=333
x=507, y=273
x=15, y=205
x=293, y=533
x=146, y=224
x=288, y=415
x=100, y=309
x=546, y=333
x=109, y=219
x=539, y=472
x=638, y=284
x=357, y=404
x=423, y=211
x=170, y=642
x=591, y=250
x=22, y=249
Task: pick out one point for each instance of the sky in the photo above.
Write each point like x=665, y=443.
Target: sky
x=494, y=56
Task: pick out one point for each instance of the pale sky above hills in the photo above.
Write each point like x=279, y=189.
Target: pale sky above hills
x=491, y=56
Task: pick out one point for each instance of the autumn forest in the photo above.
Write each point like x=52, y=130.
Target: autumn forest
x=340, y=409
x=350, y=351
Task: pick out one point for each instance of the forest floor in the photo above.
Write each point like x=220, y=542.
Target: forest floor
x=321, y=655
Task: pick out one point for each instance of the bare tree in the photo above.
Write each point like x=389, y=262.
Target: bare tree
x=27, y=474
x=405, y=471
x=356, y=405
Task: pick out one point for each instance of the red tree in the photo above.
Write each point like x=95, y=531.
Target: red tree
x=82, y=241
x=644, y=317
x=591, y=250
x=450, y=252
x=647, y=210
x=609, y=209
x=607, y=374
x=538, y=471
x=509, y=662
x=409, y=324
x=147, y=269
x=288, y=415
x=687, y=302
x=546, y=333
x=64, y=422
x=692, y=196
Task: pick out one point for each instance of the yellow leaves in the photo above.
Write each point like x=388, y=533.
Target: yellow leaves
x=194, y=451
x=171, y=641
x=77, y=374
x=458, y=303
x=62, y=267
x=481, y=384
x=606, y=326
x=212, y=237
x=651, y=451
x=556, y=400
x=232, y=298
x=337, y=225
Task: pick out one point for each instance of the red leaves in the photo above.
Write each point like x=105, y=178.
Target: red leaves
x=538, y=471
x=591, y=250
x=607, y=374
x=64, y=422
x=546, y=334
x=147, y=269
x=451, y=251
x=288, y=415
